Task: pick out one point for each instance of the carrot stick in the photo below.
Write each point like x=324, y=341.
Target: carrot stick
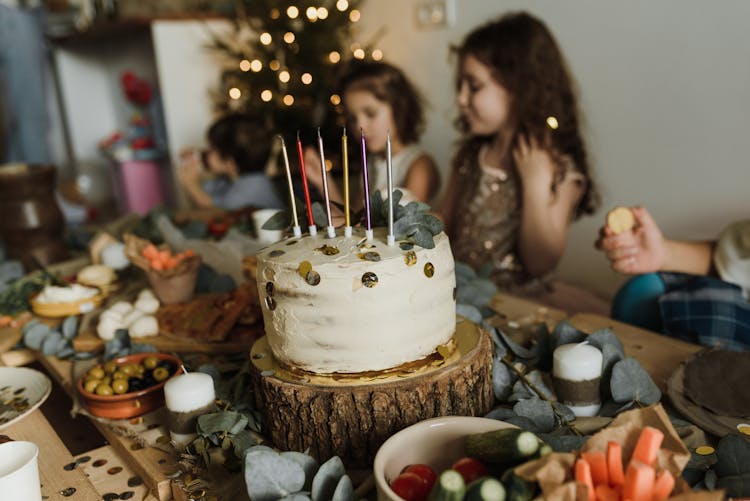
x=663, y=485
x=639, y=482
x=598, y=464
x=583, y=476
x=614, y=464
x=647, y=447
x=606, y=493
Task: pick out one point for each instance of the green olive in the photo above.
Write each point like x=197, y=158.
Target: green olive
x=96, y=373
x=104, y=389
x=110, y=366
x=119, y=375
x=120, y=386
x=150, y=362
x=91, y=384
x=160, y=374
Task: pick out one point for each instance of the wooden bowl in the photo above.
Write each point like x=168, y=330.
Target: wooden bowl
x=131, y=404
x=437, y=442
x=66, y=309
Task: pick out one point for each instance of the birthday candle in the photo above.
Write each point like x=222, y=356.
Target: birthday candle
x=295, y=225
x=331, y=231
x=368, y=224
x=311, y=223
x=345, y=160
x=389, y=170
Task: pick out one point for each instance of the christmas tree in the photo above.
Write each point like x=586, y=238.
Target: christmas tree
x=282, y=62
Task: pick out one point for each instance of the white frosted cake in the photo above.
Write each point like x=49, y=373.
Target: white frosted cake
x=331, y=306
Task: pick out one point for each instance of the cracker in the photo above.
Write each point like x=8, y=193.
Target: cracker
x=620, y=219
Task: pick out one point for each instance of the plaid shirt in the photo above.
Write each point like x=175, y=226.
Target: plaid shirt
x=705, y=310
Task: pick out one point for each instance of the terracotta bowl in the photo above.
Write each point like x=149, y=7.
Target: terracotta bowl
x=131, y=404
x=436, y=442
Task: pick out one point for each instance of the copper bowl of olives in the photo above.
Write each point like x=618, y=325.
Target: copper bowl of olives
x=128, y=386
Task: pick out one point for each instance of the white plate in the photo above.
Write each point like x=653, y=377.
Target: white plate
x=28, y=387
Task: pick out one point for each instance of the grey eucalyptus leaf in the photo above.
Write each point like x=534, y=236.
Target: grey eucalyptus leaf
x=51, y=343
x=142, y=348
x=630, y=381
x=469, y=312
x=524, y=423
x=242, y=441
x=325, y=481
x=344, y=490
x=563, y=443
x=433, y=224
x=521, y=392
x=307, y=463
x=710, y=480
x=223, y=421
x=464, y=273
x=279, y=221
x=30, y=324
x=610, y=408
x=70, y=327
x=603, y=337
x=565, y=333
x=500, y=348
x=34, y=336
x=563, y=414
x=610, y=356
x=423, y=238
x=319, y=215
x=269, y=477
x=297, y=496
x=535, y=377
x=66, y=352
x=502, y=380
x=517, y=349
x=539, y=411
x=501, y=414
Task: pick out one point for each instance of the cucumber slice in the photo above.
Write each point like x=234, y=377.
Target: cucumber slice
x=485, y=489
x=450, y=486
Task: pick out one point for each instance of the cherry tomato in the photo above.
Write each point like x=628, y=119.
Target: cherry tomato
x=470, y=468
x=218, y=227
x=410, y=486
x=424, y=472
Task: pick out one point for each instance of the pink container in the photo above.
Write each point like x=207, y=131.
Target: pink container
x=141, y=185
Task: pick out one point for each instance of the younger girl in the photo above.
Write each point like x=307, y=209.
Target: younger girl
x=521, y=174
x=379, y=99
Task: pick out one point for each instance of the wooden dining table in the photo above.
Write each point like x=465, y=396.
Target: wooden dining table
x=659, y=355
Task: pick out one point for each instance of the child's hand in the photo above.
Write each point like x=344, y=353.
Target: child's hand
x=534, y=163
x=312, y=167
x=639, y=250
x=190, y=169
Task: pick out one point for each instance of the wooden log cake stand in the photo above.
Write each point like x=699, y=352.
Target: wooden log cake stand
x=351, y=415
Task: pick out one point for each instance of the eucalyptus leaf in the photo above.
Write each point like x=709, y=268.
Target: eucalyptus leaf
x=563, y=414
x=565, y=333
x=223, y=421
x=269, y=476
x=142, y=348
x=610, y=356
x=30, y=324
x=51, y=343
x=606, y=337
x=502, y=380
x=307, y=463
x=539, y=411
x=563, y=443
x=524, y=423
x=500, y=348
x=501, y=414
x=344, y=490
x=423, y=238
x=517, y=349
x=464, y=273
x=631, y=382
x=34, y=336
x=243, y=440
x=520, y=392
x=325, y=481
x=610, y=408
x=469, y=312
x=732, y=455
x=710, y=479
x=66, y=352
x=70, y=327
x=297, y=496
x=279, y=221
x=319, y=215
x=536, y=378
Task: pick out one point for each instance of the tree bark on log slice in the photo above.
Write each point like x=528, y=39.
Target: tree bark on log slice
x=352, y=420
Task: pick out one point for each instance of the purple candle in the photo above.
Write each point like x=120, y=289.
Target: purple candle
x=368, y=224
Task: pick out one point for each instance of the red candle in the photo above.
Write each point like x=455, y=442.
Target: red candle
x=301, y=156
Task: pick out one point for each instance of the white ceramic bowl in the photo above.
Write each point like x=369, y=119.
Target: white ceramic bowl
x=437, y=442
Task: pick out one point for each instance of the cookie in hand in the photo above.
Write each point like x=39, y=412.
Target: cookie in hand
x=620, y=219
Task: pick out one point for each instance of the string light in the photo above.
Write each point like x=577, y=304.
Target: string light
x=306, y=78
x=275, y=13
x=284, y=76
x=245, y=65
x=354, y=16
x=312, y=13
x=265, y=38
x=288, y=100
x=274, y=65
x=359, y=54
x=552, y=122
x=235, y=93
x=266, y=95
x=256, y=65
x=292, y=12
x=334, y=57
x=342, y=5
x=377, y=54
x=335, y=99
x=289, y=37
x=322, y=13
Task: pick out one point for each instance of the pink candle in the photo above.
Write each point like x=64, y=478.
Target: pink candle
x=301, y=156
x=368, y=224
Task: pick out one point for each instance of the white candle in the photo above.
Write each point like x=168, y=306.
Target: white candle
x=389, y=171
x=577, y=370
x=188, y=396
x=296, y=230
x=329, y=229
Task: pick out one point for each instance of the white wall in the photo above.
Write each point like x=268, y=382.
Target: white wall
x=665, y=91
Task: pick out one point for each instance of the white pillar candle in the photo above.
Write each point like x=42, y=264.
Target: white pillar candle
x=188, y=396
x=577, y=371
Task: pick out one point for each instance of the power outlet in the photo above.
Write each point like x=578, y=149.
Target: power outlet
x=435, y=14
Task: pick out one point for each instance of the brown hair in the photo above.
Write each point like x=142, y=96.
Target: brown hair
x=388, y=84
x=525, y=59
